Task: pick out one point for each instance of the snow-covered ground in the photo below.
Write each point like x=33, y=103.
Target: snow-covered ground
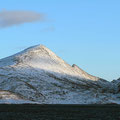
x=8, y=97
x=38, y=75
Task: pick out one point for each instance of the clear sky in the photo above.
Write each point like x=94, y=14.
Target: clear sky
x=84, y=32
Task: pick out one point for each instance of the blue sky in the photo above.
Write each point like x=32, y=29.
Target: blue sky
x=84, y=32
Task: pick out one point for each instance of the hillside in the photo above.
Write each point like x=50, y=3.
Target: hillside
x=37, y=74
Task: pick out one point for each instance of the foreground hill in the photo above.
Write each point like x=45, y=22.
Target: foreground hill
x=37, y=74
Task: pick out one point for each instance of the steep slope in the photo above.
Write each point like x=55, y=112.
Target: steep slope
x=39, y=75
x=84, y=74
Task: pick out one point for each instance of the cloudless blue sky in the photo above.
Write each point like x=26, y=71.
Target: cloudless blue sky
x=84, y=32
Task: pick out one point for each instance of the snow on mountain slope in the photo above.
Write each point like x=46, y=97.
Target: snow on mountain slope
x=84, y=74
x=39, y=75
x=8, y=97
x=117, y=85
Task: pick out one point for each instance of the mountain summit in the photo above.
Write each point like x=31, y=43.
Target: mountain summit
x=37, y=74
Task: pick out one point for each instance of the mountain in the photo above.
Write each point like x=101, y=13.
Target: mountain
x=38, y=75
x=118, y=79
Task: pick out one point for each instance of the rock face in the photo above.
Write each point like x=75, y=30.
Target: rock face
x=39, y=75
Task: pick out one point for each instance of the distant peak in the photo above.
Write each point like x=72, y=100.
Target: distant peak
x=118, y=79
x=34, y=53
x=37, y=53
x=36, y=47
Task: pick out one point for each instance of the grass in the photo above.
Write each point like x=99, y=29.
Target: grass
x=59, y=112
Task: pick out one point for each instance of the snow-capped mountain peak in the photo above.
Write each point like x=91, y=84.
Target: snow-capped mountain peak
x=40, y=75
